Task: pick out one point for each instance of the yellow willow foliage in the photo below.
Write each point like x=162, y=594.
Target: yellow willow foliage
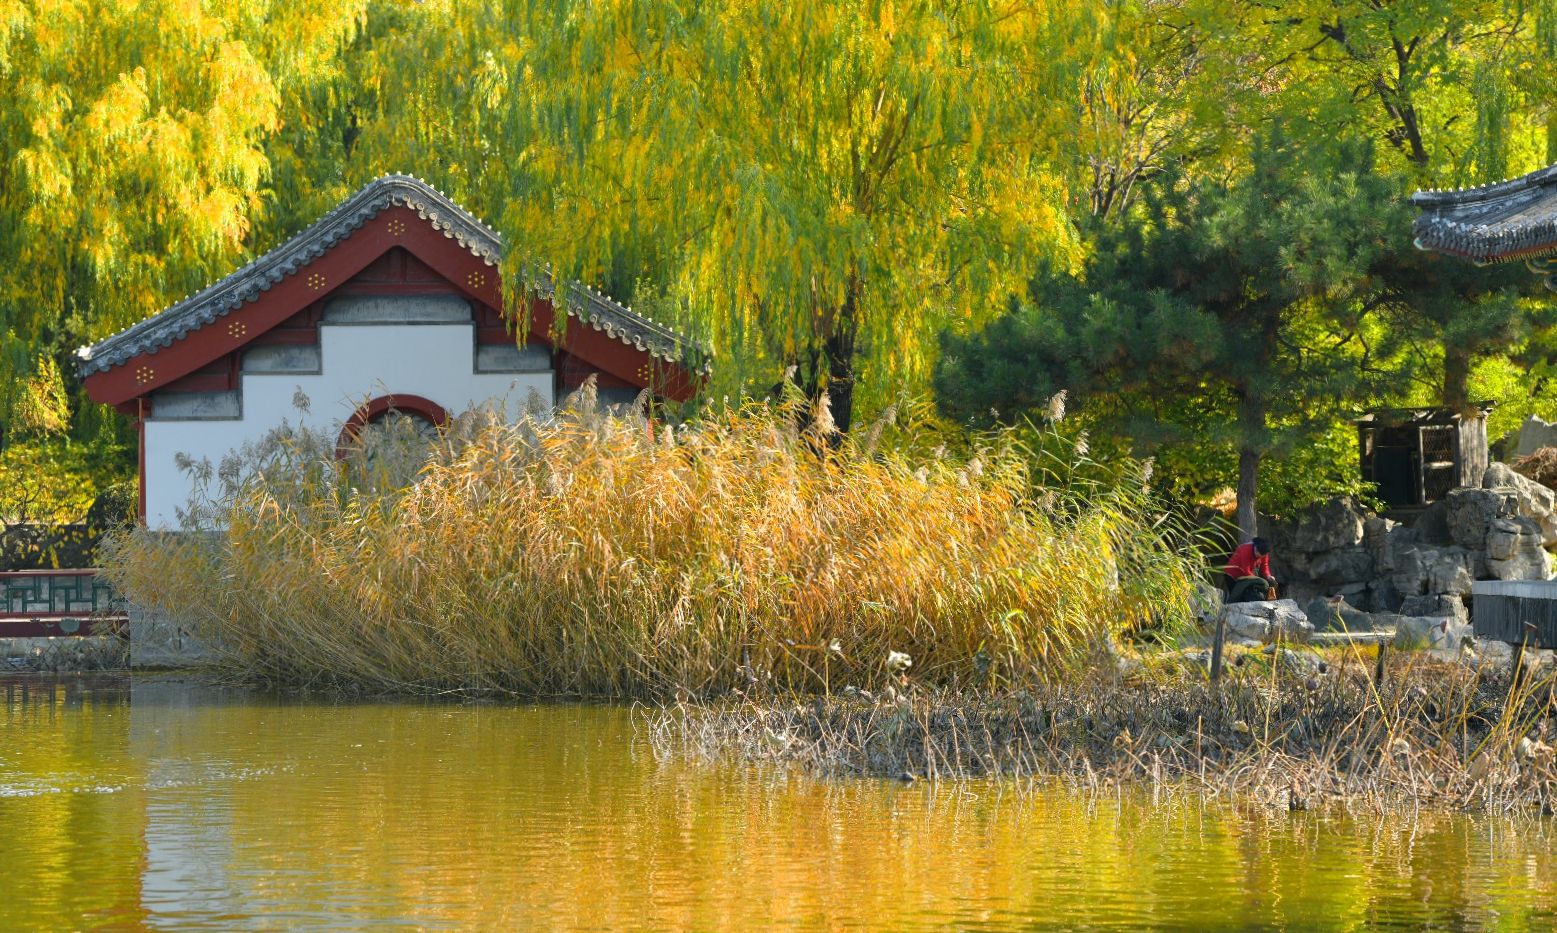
x=42, y=407
x=593, y=554
x=780, y=174
x=132, y=154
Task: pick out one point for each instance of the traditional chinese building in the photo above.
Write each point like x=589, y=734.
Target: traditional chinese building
x=392, y=302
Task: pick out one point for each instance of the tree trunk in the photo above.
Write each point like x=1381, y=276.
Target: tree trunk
x=1248, y=485
x=1456, y=376
x=840, y=381
x=832, y=370
x=1251, y=430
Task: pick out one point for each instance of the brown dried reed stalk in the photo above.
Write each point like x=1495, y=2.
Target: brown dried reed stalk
x=1438, y=734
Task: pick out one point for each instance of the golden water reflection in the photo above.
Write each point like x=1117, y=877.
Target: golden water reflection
x=163, y=805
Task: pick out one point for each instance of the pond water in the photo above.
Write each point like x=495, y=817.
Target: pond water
x=152, y=804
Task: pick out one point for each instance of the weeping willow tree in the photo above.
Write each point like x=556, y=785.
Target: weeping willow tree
x=819, y=186
x=132, y=154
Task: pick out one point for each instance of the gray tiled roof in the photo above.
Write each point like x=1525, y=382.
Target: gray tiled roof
x=1507, y=220
x=173, y=323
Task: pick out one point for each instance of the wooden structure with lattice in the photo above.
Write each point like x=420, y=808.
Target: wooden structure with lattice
x=1415, y=456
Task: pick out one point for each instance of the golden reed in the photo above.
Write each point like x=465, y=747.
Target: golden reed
x=592, y=553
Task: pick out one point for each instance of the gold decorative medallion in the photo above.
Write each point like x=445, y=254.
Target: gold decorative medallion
x=316, y=280
x=237, y=329
x=476, y=279
x=145, y=374
x=395, y=227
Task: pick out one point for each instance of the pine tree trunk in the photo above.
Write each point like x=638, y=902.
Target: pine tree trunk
x=1456, y=377
x=1248, y=485
x=1251, y=427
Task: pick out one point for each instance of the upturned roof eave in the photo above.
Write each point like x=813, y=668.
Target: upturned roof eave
x=1506, y=221
x=1444, y=197
x=1485, y=252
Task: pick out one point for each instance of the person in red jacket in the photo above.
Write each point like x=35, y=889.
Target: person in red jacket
x=1248, y=572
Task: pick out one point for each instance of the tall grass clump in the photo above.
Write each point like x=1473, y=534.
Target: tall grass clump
x=592, y=553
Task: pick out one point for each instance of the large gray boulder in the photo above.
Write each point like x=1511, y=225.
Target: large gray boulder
x=1534, y=501
x=1442, y=633
x=1393, y=539
x=1383, y=596
x=1534, y=434
x=1514, y=551
x=1411, y=568
x=1503, y=538
x=1267, y=621
x=1245, y=628
x=1376, y=533
x=1331, y=525
x=1432, y=525
x=1335, y=614
x=1438, y=606
x=1420, y=569
x=1470, y=512
x=1450, y=574
x=1290, y=565
x=1342, y=566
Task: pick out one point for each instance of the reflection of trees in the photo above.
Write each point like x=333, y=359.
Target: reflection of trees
x=491, y=817
x=71, y=805
x=501, y=818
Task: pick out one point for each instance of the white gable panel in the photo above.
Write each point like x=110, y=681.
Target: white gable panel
x=358, y=362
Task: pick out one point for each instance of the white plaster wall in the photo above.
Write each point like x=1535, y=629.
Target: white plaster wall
x=359, y=362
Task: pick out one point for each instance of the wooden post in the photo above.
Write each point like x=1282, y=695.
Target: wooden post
x=1378, y=665
x=1216, y=646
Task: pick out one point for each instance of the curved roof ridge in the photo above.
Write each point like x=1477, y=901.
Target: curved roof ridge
x=1439, y=197
x=260, y=274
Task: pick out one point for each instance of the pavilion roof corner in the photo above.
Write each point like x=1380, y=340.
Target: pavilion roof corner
x=1499, y=222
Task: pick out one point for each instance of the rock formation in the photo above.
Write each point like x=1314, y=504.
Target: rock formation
x=1351, y=569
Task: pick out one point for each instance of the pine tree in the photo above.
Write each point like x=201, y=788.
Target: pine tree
x=1222, y=310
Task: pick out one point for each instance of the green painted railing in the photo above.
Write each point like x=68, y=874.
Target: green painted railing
x=41, y=603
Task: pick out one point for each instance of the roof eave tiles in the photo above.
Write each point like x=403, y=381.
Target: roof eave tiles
x=1480, y=224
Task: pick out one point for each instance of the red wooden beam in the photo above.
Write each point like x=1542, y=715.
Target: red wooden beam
x=25, y=625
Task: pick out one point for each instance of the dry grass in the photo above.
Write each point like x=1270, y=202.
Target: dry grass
x=1540, y=466
x=1438, y=734
x=592, y=555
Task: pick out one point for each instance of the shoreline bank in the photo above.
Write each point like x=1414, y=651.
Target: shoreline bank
x=1284, y=729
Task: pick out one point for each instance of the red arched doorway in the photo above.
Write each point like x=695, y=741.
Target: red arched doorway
x=410, y=406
